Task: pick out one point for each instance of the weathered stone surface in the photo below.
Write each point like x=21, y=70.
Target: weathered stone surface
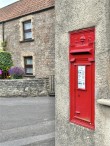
x=36, y=87
x=42, y=48
x=74, y=15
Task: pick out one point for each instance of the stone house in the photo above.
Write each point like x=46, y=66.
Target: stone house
x=28, y=28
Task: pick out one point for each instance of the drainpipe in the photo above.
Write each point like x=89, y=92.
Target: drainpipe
x=3, y=31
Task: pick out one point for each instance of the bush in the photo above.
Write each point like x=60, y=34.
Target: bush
x=16, y=72
x=5, y=61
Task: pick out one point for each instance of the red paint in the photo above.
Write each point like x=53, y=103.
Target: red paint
x=82, y=84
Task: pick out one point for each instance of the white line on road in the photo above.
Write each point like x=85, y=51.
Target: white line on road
x=28, y=127
x=28, y=140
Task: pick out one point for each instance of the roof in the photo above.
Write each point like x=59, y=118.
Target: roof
x=23, y=7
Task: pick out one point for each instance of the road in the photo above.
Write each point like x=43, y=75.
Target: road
x=27, y=121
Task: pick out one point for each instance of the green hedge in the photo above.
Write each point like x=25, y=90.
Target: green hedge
x=5, y=60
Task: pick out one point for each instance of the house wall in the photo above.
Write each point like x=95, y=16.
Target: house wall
x=42, y=48
x=0, y=32
x=74, y=15
x=1, y=38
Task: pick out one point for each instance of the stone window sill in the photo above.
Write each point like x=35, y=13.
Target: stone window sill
x=105, y=102
x=25, y=41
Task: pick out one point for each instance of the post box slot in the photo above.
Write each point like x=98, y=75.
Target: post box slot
x=81, y=51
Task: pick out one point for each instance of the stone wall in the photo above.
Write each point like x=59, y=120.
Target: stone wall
x=75, y=15
x=25, y=88
x=42, y=48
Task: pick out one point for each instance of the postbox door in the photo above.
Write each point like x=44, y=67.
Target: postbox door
x=83, y=92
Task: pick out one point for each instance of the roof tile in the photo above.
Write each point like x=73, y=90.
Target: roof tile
x=23, y=7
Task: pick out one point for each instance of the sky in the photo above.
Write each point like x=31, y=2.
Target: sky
x=4, y=3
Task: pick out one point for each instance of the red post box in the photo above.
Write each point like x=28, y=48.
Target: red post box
x=82, y=76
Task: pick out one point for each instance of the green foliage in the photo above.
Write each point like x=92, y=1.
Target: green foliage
x=5, y=60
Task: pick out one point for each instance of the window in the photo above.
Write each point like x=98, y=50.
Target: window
x=28, y=64
x=27, y=30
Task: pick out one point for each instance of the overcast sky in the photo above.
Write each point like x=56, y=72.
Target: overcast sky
x=4, y=3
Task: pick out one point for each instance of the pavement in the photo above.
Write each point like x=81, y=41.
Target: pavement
x=27, y=121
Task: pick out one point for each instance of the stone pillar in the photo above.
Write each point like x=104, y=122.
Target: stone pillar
x=70, y=16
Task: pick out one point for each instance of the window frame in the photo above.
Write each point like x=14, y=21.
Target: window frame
x=26, y=30
x=28, y=65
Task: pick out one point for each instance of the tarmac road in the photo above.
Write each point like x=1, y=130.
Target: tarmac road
x=27, y=121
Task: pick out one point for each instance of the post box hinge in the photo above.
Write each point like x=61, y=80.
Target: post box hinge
x=77, y=112
x=72, y=60
x=91, y=59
